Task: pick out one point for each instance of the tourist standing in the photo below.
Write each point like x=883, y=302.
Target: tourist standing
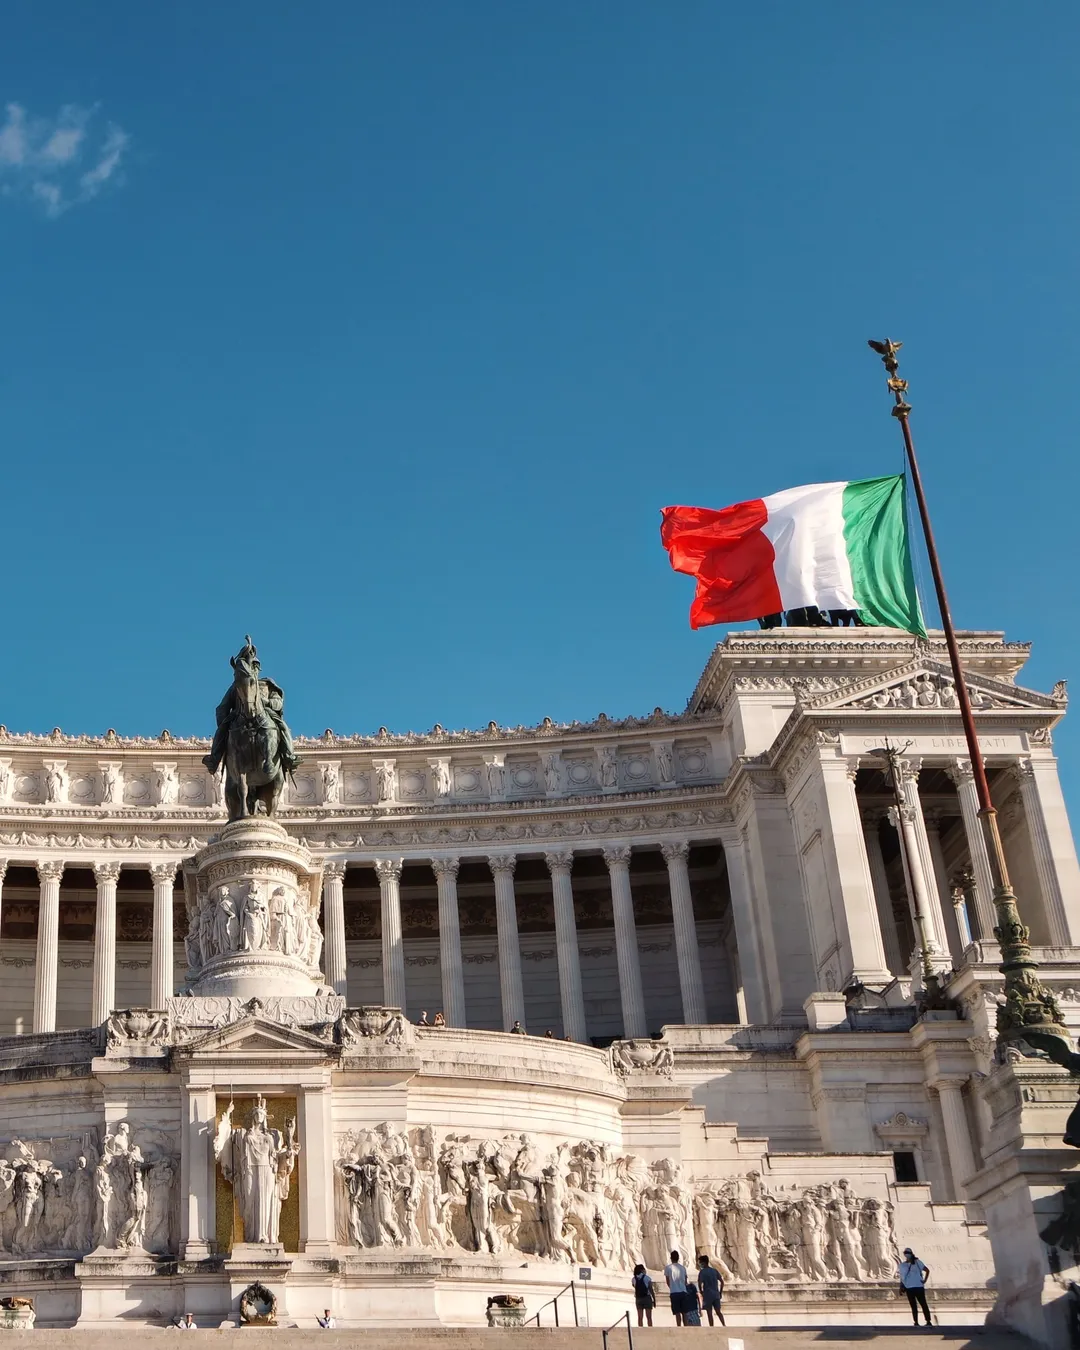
x=644, y=1295
x=913, y=1277
x=675, y=1277
x=711, y=1284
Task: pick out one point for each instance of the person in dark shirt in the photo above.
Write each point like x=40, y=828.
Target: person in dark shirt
x=691, y=1306
x=711, y=1285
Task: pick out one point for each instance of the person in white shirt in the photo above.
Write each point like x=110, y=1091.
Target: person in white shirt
x=186, y=1323
x=913, y=1277
x=675, y=1276
x=326, y=1321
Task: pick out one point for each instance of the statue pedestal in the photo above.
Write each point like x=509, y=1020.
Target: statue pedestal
x=253, y=898
x=1031, y=1219
x=261, y=1265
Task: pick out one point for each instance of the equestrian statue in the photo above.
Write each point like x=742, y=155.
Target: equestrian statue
x=252, y=739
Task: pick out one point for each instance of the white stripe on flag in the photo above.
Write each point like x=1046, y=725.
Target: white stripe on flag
x=806, y=529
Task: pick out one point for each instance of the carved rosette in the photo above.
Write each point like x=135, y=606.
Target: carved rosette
x=253, y=899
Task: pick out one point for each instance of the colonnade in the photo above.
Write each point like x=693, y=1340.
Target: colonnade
x=925, y=872
x=502, y=867
x=388, y=870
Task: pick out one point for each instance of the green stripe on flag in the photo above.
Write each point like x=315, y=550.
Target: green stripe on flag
x=879, y=552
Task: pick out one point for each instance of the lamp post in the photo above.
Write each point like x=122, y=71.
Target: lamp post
x=1030, y=1011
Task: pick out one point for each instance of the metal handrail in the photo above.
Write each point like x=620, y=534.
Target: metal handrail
x=554, y=1303
x=629, y=1330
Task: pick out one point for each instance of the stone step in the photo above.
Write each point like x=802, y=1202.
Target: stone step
x=564, y=1338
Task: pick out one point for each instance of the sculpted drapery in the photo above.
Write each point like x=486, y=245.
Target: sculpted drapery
x=258, y=1162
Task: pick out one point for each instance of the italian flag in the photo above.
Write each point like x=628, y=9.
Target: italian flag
x=833, y=545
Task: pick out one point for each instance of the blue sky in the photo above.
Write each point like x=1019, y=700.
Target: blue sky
x=443, y=301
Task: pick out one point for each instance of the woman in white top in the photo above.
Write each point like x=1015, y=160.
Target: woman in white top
x=913, y=1277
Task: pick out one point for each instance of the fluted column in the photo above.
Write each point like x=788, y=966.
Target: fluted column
x=510, y=986
x=953, y=935
x=50, y=873
x=106, y=874
x=964, y=777
x=566, y=943
x=890, y=939
x=1045, y=867
x=453, y=980
x=903, y=818
x=335, y=966
x=957, y=1133
x=691, y=984
x=617, y=857
x=161, y=958
x=388, y=871
x=919, y=844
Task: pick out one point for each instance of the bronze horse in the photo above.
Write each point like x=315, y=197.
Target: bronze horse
x=253, y=772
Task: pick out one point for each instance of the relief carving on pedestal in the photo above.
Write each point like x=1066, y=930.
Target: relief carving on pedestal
x=64, y=1196
x=642, y=1056
x=401, y=1186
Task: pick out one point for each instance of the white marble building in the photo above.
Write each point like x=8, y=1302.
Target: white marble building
x=727, y=880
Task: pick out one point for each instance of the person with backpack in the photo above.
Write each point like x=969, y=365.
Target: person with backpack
x=913, y=1277
x=675, y=1277
x=644, y=1295
x=711, y=1285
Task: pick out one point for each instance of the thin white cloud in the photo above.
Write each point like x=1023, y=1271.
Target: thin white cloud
x=58, y=162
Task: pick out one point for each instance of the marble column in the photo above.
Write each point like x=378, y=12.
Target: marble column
x=566, y=943
x=335, y=965
x=106, y=874
x=903, y=818
x=957, y=1133
x=752, y=974
x=890, y=938
x=161, y=957
x=842, y=900
x=48, y=944
x=691, y=984
x=919, y=844
x=388, y=871
x=941, y=877
x=316, y=1172
x=960, y=771
x=1042, y=850
x=198, y=1216
x=617, y=857
x=510, y=986
x=453, y=980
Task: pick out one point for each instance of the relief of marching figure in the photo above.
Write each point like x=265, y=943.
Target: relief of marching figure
x=588, y=1204
x=68, y=1196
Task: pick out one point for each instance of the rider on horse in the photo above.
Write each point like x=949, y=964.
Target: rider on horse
x=273, y=697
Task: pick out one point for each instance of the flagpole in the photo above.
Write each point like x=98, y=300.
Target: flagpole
x=1029, y=1007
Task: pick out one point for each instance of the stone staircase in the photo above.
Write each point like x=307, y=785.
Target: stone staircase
x=565, y=1338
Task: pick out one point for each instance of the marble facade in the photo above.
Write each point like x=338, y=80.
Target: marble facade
x=709, y=911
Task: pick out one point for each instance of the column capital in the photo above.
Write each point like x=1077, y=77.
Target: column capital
x=334, y=870
x=502, y=862
x=949, y=1081
x=616, y=854
x=960, y=771
x=559, y=860
x=105, y=872
x=163, y=872
x=445, y=867
x=680, y=848
x=389, y=869
x=50, y=869
x=909, y=769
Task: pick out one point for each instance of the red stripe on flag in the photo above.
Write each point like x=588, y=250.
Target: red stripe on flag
x=730, y=557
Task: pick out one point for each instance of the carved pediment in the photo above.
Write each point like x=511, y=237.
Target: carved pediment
x=258, y=1037
x=925, y=685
